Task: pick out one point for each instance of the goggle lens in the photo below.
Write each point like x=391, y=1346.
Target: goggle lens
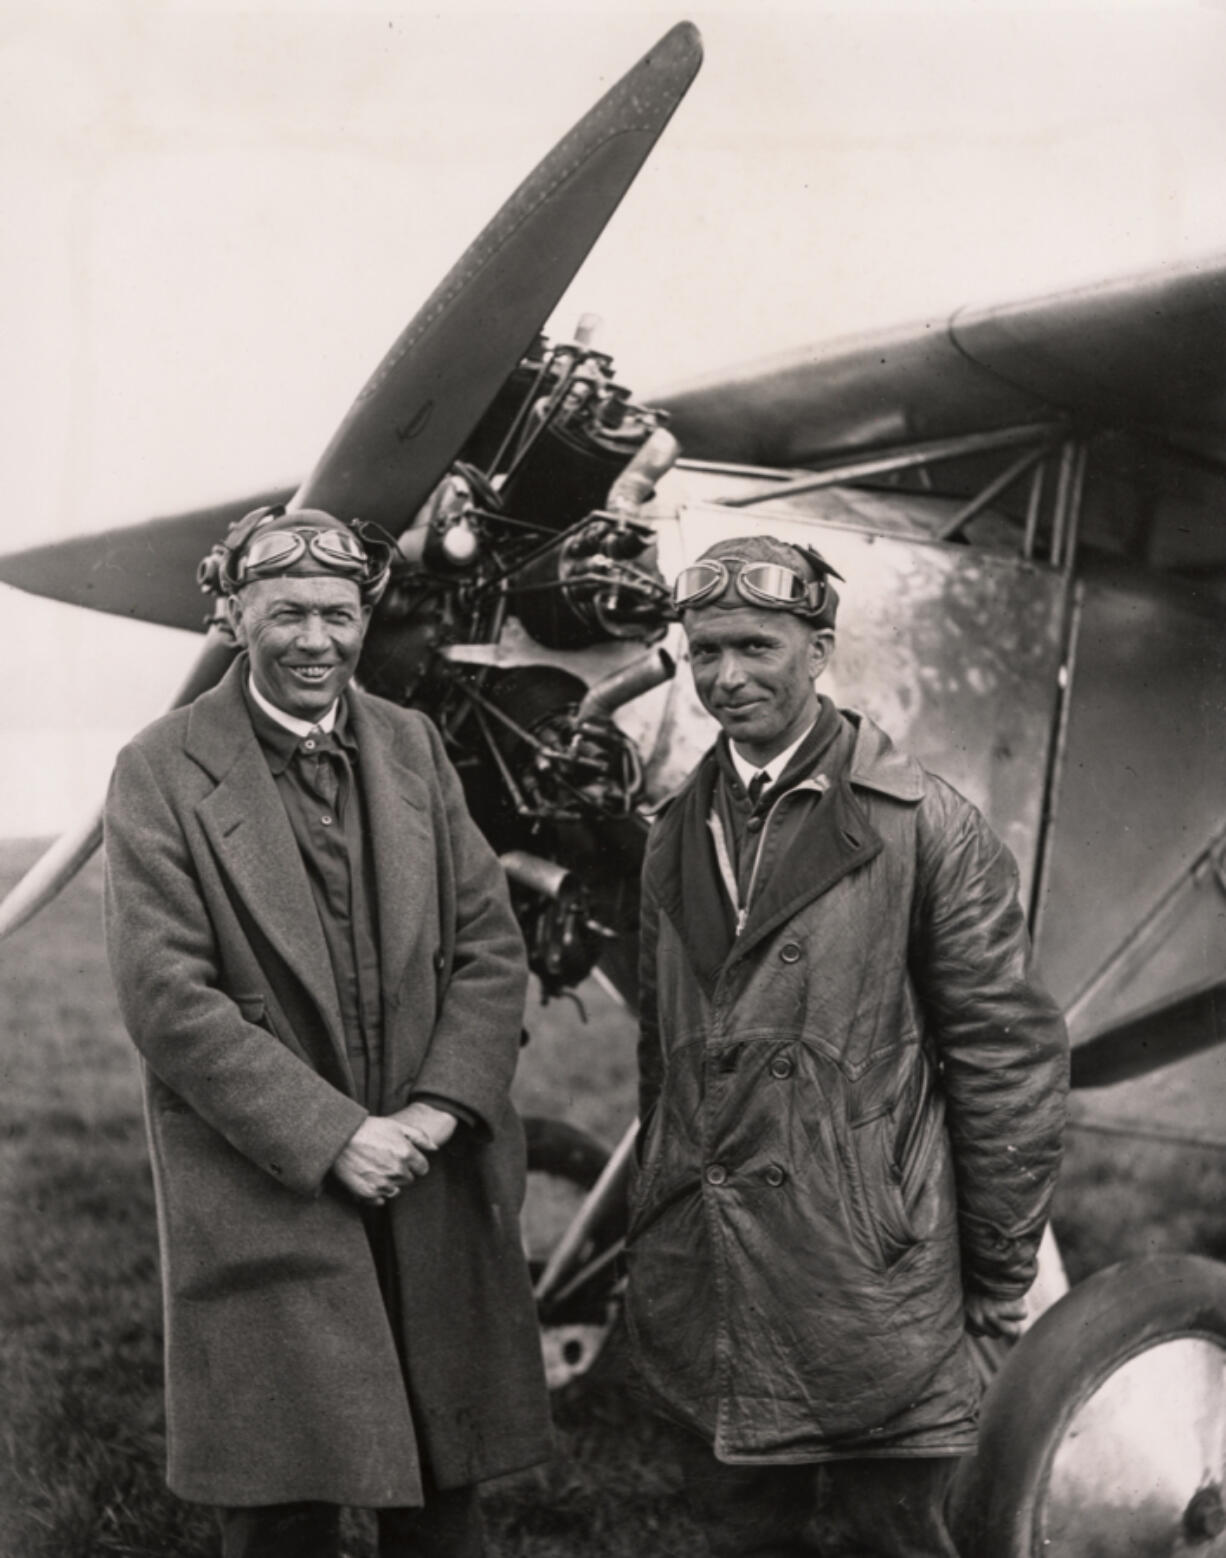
x=339, y=548
x=274, y=549
x=774, y=583
x=699, y=581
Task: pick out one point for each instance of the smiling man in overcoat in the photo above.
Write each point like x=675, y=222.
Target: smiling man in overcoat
x=852, y=1096
x=315, y=955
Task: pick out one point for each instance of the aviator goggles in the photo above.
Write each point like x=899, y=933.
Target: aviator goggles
x=773, y=585
x=269, y=541
x=339, y=551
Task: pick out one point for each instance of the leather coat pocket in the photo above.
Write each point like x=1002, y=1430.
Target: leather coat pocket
x=880, y=1190
x=889, y=1188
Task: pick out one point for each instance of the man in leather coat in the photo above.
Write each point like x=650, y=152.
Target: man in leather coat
x=852, y=1096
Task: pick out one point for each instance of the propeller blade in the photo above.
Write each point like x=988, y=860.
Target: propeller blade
x=145, y=571
x=53, y=871
x=429, y=392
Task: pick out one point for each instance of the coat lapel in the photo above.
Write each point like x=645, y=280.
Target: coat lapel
x=835, y=839
x=398, y=815
x=246, y=825
x=690, y=891
x=838, y=837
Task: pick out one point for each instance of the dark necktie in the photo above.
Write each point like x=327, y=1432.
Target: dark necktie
x=319, y=757
x=757, y=784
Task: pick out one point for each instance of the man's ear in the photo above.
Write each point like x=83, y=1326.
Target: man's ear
x=821, y=648
x=234, y=610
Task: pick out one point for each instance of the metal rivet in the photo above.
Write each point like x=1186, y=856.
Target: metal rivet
x=775, y=1175
x=326, y=820
x=789, y=952
x=717, y=1174
x=782, y=1067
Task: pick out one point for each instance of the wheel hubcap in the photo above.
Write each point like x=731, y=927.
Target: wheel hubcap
x=1139, y=1470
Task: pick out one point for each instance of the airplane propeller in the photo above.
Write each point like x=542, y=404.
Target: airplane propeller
x=412, y=417
x=430, y=390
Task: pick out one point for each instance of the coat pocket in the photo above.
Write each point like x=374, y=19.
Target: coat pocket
x=892, y=1187
x=917, y=1160
x=879, y=1190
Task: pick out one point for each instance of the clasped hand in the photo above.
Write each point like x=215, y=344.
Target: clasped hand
x=386, y=1153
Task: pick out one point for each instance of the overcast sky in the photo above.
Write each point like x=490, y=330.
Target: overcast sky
x=217, y=219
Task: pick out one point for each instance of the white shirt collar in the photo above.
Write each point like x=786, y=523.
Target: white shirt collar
x=300, y=727
x=746, y=770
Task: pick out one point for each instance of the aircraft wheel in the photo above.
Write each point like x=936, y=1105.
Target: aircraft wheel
x=563, y=1165
x=1105, y=1431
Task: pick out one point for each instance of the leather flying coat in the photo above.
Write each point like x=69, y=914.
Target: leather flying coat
x=850, y=1114
x=282, y=1376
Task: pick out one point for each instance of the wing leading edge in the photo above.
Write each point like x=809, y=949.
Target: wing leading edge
x=1142, y=353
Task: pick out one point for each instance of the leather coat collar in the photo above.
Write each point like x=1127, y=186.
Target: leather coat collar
x=840, y=839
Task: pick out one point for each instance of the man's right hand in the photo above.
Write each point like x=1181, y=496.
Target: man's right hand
x=1003, y=1317
x=378, y=1160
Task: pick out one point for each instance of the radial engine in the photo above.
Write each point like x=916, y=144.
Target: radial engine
x=537, y=537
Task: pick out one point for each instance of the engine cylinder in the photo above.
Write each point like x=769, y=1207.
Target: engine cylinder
x=565, y=475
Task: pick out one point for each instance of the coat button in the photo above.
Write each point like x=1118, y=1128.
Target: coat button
x=789, y=952
x=774, y=1175
x=717, y=1174
x=753, y=824
x=782, y=1067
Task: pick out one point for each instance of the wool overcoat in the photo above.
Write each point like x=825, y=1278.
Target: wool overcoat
x=282, y=1376
x=852, y=1115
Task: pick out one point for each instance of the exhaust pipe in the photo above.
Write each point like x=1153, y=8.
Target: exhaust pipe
x=637, y=483
x=542, y=876
x=607, y=695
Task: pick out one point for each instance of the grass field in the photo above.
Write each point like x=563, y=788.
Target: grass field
x=81, y=1433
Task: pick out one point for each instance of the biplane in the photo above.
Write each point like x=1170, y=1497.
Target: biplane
x=1026, y=503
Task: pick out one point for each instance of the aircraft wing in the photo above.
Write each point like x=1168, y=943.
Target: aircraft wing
x=1144, y=353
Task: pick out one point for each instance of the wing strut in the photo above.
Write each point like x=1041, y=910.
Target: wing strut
x=910, y=458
